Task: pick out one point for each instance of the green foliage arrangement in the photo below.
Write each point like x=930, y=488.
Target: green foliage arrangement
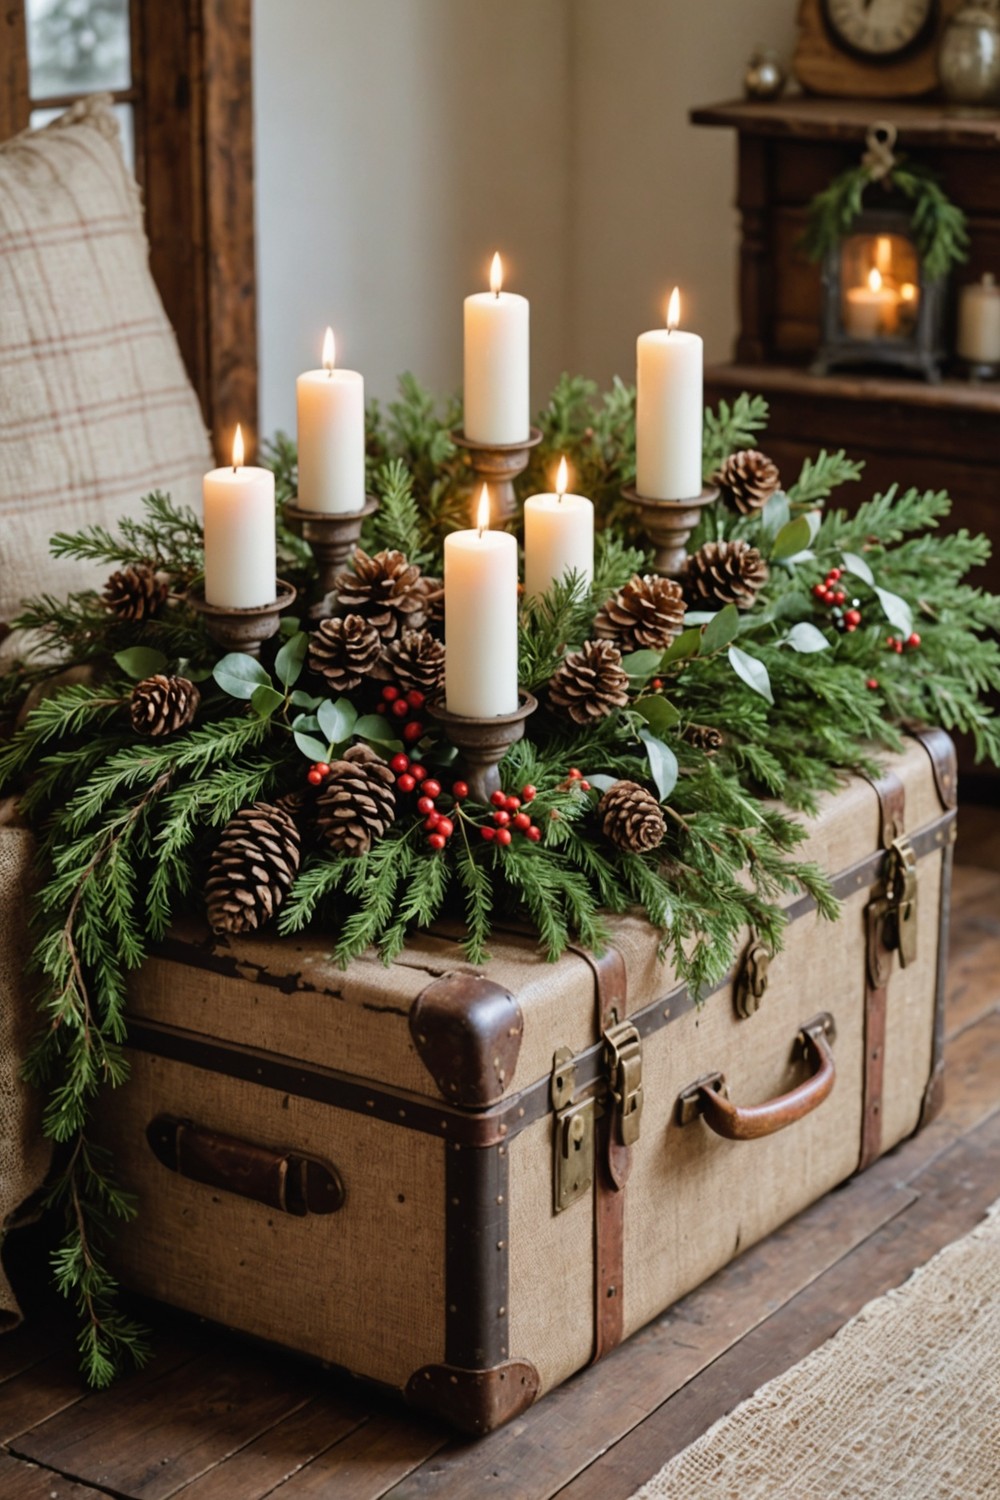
x=743, y=705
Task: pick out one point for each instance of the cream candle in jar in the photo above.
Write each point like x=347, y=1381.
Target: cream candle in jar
x=871, y=310
x=978, y=340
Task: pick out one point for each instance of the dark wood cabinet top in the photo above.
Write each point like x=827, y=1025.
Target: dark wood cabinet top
x=950, y=395
x=806, y=118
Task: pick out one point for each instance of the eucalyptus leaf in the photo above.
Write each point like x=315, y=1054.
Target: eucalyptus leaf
x=815, y=519
x=793, y=537
x=305, y=700
x=720, y=630
x=658, y=713
x=752, y=671
x=338, y=720
x=238, y=674
x=897, y=610
x=699, y=616
x=603, y=783
x=662, y=763
x=138, y=662
x=311, y=748
x=289, y=626
x=641, y=664
x=775, y=514
x=683, y=646
x=374, y=727
x=291, y=658
x=308, y=723
x=806, y=638
x=265, y=699
x=857, y=565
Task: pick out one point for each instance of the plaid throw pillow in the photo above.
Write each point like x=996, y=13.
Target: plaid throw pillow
x=95, y=406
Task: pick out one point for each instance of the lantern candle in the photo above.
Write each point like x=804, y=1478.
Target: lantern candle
x=558, y=537
x=668, y=418
x=871, y=310
x=497, y=396
x=480, y=619
x=331, y=427
x=240, y=564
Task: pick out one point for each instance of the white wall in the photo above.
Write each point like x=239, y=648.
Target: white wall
x=400, y=141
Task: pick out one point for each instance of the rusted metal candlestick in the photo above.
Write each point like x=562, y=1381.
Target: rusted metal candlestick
x=243, y=630
x=332, y=537
x=498, y=465
x=668, y=524
x=483, y=743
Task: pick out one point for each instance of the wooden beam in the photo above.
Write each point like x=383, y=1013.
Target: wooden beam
x=14, y=106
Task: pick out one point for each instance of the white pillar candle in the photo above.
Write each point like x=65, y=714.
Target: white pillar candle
x=871, y=310
x=240, y=564
x=669, y=410
x=979, y=322
x=331, y=423
x=480, y=620
x=558, y=537
x=497, y=345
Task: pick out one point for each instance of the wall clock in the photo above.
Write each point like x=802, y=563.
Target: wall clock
x=870, y=49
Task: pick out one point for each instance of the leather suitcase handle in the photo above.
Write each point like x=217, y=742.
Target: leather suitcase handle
x=707, y=1097
x=283, y=1180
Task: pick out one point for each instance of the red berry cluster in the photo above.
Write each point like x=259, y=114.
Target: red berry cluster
x=829, y=592
x=574, y=778
x=317, y=773
x=897, y=643
x=509, y=815
x=404, y=706
x=412, y=777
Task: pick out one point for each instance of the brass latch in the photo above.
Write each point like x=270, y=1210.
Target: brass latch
x=573, y=1142
x=624, y=1056
x=751, y=980
x=893, y=917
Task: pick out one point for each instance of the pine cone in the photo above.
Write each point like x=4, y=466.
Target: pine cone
x=344, y=652
x=385, y=589
x=252, y=869
x=590, y=683
x=416, y=660
x=431, y=592
x=704, y=737
x=135, y=593
x=358, y=804
x=747, y=480
x=647, y=613
x=631, y=817
x=723, y=573
x=161, y=705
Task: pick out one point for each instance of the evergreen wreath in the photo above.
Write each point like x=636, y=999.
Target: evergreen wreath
x=939, y=226
x=344, y=810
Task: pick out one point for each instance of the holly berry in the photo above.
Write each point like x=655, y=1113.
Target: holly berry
x=512, y=804
x=459, y=789
x=429, y=786
x=913, y=640
x=522, y=821
x=839, y=597
x=446, y=827
x=574, y=774
x=828, y=596
x=529, y=793
x=314, y=778
x=322, y=767
x=436, y=840
x=585, y=786
x=501, y=818
x=503, y=836
x=871, y=684
x=431, y=822
x=819, y=590
x=400, y=763
x=418, y=772
x=390, y=693
x=656, y=684
x=488, y=833
x=415, y=698
x=405, y=782
x=412, y=731
x=533, y=833
x=425, y=805
x=852, y=617
x=400, y=708
x=834, y=574
x=498, y=798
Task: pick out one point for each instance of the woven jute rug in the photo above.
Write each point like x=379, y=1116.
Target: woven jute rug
x=903, y=1402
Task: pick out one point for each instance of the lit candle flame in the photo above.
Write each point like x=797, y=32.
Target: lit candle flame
x=238, y=448
x=874, y=279
x=562, y=478
x=483, y=510
x=496, y=274
x=329, y=351
x=674, y=309
x=908, y=291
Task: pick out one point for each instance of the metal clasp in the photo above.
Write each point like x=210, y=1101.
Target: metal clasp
x=573, y=1141
x=892, y=918
x=624, y=1055
x=751, y=981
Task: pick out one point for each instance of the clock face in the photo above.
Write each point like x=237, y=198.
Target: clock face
x=879, y=30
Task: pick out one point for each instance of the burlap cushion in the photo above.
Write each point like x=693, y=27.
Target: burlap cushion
x=95, y=406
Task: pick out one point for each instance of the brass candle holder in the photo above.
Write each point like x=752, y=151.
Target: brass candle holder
x=498, y=465
x=668, y=524
x=243, y=630
x=483, y=743
x=331, y=536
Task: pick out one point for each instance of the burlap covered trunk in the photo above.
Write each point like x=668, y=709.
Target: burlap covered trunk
x=467, y=1185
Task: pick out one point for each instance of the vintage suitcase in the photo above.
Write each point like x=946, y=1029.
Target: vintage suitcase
x=467, y=1185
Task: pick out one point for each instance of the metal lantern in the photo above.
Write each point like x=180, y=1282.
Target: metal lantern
x=878, y=306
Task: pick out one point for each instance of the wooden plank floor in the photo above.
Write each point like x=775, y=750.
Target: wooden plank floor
x=213, y=1418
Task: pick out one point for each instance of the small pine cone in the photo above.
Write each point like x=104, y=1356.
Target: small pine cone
x=704, y=737
x=647, y=613
x=747, y=480
x=162, y=705
x=631, y=817
x=135, y=593
x=385, y=589
x=344, y=652
x=253, y=867
x=358, y=803
x=431, y=602
x=590, y=683
x=723, y=573
x=416, y=660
